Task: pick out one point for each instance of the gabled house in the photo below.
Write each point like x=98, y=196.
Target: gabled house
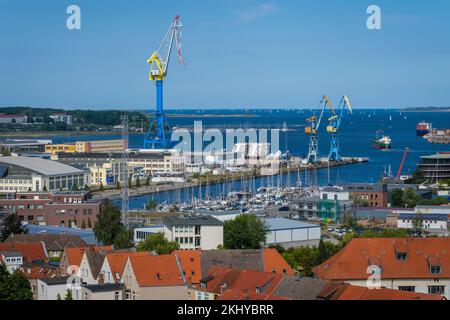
x=420, y=265
x=26, y=253
x=154, y=278
x=90, y=266
x=114, y=263
x=71, y=257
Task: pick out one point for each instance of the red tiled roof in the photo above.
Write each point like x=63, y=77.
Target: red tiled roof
x=118, y=260
x=159, y=270
x=74, y=255
x=349, y=292
x=273, y=261
x=237, y=295
x=245, y=281
x=352, y=261
x=191, y=264
x=41, y=272
x=32, y=251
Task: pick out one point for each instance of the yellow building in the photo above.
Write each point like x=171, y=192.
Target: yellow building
x=58, y=148
x=96, y=146
x=100, y=146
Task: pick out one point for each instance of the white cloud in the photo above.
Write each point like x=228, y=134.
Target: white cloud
x=257, y=12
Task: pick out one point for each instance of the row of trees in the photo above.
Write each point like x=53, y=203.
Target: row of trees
x=409, y=198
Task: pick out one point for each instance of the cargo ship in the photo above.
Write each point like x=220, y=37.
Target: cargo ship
x=382, y=143
x=423, y=128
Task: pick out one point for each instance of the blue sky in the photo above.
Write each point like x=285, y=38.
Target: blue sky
x=242, y=53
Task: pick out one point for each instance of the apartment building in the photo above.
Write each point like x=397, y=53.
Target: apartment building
x=372, y=195
x=194, y=232
x=330, y=204
x=59, y=208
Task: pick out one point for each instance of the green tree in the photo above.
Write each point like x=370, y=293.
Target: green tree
x=44, y=189
x=158, y=243
x=410, y=198
x=434, y=202
x=304, y=259
x=147, y=181
x=11, y=225
x=58, y=296
x=124, y=239
x=385, y=233
x=83, y=224
x=5, y=152
x=277, y=247
x=14, y=286
x=350, y=222
x=397, y=198
x=89, y=223
x=102, y=188
x=68, y=295
x=117, y=184
x=322, y=253
x=151, y=205
x=75, y=187
x=86, y=188
x=246, y=231
x=138, y=182
x=109, y=228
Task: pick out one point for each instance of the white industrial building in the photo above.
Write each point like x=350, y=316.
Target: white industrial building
x=424, y=221
x=140, y=234
x=424, y=209
x=290, y=233
x=21, y=174
x=194, y=232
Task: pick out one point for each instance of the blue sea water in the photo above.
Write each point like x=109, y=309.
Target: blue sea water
x=356, y=134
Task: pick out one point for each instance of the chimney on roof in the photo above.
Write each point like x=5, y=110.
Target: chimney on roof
x=101, y=279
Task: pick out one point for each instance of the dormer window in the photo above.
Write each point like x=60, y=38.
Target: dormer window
x=435, y=269
x=402, y=256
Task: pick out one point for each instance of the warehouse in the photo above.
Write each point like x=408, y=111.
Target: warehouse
x=291, y=233
x=34, y=174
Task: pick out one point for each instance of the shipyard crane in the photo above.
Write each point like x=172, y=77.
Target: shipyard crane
x=157, y=136
x=333, y=128
x=399, y=172
x=313, y=128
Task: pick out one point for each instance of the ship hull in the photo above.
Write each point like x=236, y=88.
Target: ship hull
x=422, y=132
x=380, y=145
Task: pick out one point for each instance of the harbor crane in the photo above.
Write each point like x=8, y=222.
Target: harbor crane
x=157, y=136
x=333, y=128
x=313, y=128
x=400, y=168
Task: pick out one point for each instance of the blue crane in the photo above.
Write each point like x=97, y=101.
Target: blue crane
x=156, y=136
x=333, y=128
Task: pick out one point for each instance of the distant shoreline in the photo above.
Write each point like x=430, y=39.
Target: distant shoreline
x=210, y=115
